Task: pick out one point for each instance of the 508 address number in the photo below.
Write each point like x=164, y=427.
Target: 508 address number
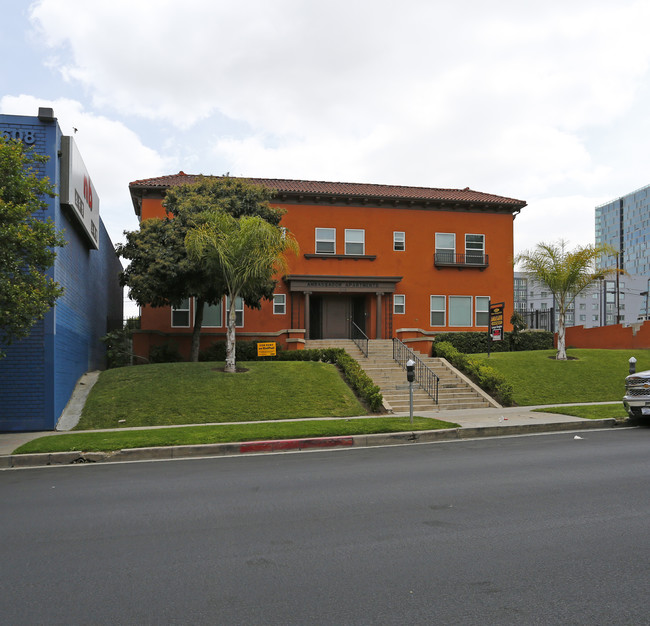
x=26, y=136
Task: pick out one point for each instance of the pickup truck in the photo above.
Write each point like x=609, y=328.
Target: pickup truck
x=637, y=394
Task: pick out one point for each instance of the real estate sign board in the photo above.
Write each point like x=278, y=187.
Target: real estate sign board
x=496, y=321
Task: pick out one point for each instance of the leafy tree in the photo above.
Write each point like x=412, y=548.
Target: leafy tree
x=26, y=242
x=243, y=254
x=160, y=272
x=566, y=273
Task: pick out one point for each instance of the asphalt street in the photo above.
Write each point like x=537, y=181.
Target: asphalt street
x=546, y=529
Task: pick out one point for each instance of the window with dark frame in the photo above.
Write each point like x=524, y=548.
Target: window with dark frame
x=181, y=314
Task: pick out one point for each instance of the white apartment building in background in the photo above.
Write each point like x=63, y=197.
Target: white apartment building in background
x=598, y=305
x=623, y=224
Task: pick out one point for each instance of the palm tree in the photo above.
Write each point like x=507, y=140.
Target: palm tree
x=243, y=255
x=566, y=273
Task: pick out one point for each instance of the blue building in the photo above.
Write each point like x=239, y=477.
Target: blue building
x=39, y=373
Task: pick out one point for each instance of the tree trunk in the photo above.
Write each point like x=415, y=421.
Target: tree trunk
x=231, y=362
x=561, y=338
x=196, y=333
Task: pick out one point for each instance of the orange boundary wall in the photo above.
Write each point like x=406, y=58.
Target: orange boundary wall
x=612, y=337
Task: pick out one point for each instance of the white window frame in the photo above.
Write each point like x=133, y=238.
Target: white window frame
x=348, y=232
x=399, y=302
x=279, y=304
x=181, y=309
x=211, y=306
x=452, y=301
x=322, y=239
x=239, y=311
x=399, y=241
x=485, y=312
x=446, y=249
x=443, y=310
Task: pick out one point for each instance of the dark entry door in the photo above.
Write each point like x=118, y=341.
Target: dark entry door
x=336, y=312
x=359, y=312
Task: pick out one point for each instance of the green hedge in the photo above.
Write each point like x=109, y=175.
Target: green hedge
x=165, y=353
x=473, y=342
x=484, y=376
x=244, y=351
x=352, y=371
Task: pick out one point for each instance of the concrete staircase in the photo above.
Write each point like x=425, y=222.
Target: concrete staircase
x=453, y=391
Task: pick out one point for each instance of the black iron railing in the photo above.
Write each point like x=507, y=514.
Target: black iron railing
x=425, y=377
x=360, y=338
x=540, y=320
x=451, y=259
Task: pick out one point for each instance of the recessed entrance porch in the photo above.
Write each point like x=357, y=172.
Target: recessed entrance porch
x=328, y=306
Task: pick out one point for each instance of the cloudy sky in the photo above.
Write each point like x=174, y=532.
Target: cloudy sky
x=543, y=101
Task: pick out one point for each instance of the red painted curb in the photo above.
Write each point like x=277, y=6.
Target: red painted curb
x=295, y=444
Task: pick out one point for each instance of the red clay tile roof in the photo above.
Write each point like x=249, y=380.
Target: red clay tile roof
x=348, y=191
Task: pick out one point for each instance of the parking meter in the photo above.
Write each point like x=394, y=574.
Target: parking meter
x=632, y=365
x=410, y=376
x=410, y=370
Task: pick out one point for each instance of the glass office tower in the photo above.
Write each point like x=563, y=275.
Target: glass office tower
x=624, y=224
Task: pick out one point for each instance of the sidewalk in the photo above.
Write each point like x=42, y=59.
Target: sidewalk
x=474, y=423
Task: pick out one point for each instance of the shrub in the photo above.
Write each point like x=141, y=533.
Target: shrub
x=477, y=342
x=165, y=353
x=119, y=347
x=484, y=376
x=244, y=351
x=359, y=381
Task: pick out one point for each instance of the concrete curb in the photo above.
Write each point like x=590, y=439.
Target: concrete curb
x=291, y=445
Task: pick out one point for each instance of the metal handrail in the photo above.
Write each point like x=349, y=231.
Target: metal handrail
x=360, y=338
x=424, y=375
x=477, y=259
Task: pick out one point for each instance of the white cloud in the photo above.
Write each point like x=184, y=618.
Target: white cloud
x=550, y=219
x=112, y=153
x=506, y=97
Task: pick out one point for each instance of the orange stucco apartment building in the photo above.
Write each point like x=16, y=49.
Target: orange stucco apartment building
x=406, y=262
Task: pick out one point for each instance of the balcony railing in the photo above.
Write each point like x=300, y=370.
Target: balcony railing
x=451, y=259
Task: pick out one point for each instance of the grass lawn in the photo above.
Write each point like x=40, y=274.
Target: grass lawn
x=199, y=393
x=191, y=435
x=593, y=375
x=589, y=411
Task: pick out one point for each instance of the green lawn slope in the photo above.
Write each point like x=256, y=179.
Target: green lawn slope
x=588, y=375
x=200, y=393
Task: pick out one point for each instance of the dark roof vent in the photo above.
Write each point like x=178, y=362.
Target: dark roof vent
x=45, y=114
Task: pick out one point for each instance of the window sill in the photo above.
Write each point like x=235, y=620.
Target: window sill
x=354, y=257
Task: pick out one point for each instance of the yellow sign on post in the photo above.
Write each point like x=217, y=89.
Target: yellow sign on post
x=266, y=349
